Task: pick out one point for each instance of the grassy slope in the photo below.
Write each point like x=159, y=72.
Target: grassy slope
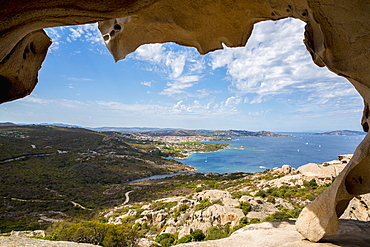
x=58, y=165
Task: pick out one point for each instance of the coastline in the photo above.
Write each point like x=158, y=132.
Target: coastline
x=199, y=152
x=191, y=168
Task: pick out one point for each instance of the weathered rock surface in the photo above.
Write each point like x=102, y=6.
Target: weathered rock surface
x=23, y=48
x=358, y=208
x=283, y=234
x=321, y=216
x=187, y=23
x=215, y=215
x=221, y=195
x=19, y=69
x=15, y=241
x=337, y=35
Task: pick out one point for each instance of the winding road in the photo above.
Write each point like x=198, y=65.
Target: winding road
x=127, y=196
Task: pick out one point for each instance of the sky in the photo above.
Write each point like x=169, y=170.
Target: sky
x=270, y=84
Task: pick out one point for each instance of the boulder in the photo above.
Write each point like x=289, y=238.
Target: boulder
x=214, y=195
x=283, y=234
x=15, y=241
x=358, y=208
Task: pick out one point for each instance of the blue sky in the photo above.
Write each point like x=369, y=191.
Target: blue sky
x=271, y=84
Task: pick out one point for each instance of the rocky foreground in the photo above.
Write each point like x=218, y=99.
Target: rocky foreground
x=256, y=199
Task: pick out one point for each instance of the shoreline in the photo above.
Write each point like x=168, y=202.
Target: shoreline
x=159, y=176
x=341, y=158
x=198, y=152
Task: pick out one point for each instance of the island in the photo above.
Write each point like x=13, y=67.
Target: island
x=342, y=133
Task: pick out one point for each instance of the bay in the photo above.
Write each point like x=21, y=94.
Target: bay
x=255, y=154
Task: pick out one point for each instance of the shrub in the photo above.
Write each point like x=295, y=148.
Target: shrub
x=245, y=207
x=162, y=205
x=185, y=239
x=165, y=239
x=180, y=210
x=254, y=221
x=239, y=194
x=243, y=220
x=205, y=203
x=95, y=233
x=261, y=193
x=277, y=216
x=198, y=235
x=312, y=184
x=284, y=214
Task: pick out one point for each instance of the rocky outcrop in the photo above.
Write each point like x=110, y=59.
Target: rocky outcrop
x=337, y=36
x=23, y=46
x=215, y=215
x=358, y=208
x=220, y=208
x=19, y=69
x=13, y=241
x=321, y=216
x=283, y=234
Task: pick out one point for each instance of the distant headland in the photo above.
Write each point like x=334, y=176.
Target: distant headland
x=342, y=133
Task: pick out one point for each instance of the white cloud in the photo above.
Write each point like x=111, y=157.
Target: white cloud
x=88, y=33
x=36, y=100
x=55, y=36
x=181, y=68
x=179, y=85
x=233, y=101
x=117, y=106
x=151, y=52
x=79, y=79
x=275, y=62
x=146, y=83
x=75, y=33
x=65, y=103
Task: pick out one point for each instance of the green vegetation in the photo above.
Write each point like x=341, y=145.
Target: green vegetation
x=198, y=235
x=180, y=210
x=72, y=171
x=166, y=239
x=245, y=207
x=51, y=173
x=179, y=149
x=185, y=239
x=91, y=232
x=205, y=203
x=215, y=232
x=284, y=214
x=309, y=191
x=162, y=205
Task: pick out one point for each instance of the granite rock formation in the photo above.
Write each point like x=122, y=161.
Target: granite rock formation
x=282, y=234
x=337, y=36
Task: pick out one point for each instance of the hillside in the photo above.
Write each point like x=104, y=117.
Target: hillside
x=343, y=133
x=212, y=133
x=51, y=173
x=200, y=208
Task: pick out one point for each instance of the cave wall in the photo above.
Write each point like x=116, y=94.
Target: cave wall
x=337, y=35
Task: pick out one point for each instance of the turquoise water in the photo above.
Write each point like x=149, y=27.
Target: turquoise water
x=253, y=154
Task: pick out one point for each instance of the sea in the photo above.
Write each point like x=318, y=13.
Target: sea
x=256, y=154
